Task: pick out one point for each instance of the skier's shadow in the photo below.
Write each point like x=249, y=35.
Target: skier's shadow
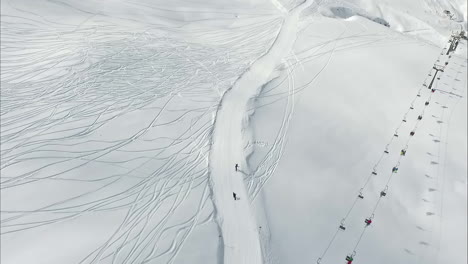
x=244, y=174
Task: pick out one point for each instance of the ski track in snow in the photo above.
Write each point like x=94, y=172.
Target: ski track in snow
x=237, y=223
x=83, y=136
x=69, y=96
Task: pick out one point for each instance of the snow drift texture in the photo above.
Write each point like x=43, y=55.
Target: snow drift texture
x=121, y=122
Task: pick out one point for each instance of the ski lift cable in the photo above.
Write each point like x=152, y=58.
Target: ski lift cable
x=378, y=162
x=359, y=239
x=367, y=181
x=375, y=167
x=387, y=185
x=375, y=207
x=391, y=176
x=337, y=231
x=357, y=198
x=329, y=245
x=350, y=209
x=380, y=197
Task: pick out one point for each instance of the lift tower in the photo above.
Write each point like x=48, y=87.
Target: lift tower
x=438, y=69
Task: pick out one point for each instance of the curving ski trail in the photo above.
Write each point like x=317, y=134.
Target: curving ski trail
x=238, y=226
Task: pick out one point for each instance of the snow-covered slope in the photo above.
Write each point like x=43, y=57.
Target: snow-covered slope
x=121, y=123
x=367, y=86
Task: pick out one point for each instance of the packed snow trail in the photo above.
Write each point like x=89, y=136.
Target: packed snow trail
x=238, y=227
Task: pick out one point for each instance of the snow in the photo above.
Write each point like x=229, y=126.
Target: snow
x=329, y=155
x=238, y=227
x=121, y=123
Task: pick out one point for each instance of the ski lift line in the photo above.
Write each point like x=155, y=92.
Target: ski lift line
x=380, y=199
x=375, y=207
x=377, y=204
x=388, y=183
x=328, y=246
x=351, y=209
x=389, y=143
x=378, y=163
x=359, y=240
x=407, y=112
x=374, y=169
x=337, y=231
x=391, y=175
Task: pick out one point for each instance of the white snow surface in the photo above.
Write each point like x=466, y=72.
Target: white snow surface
x=121, y=123
x=238, y=226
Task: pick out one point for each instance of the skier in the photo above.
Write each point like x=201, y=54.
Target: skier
x=420, y=117
x=412, y=133
x=368, y=221
x=234, y=195
x=350, y=259
x=403, y=152
x=237, y=166
x=395, y=170
x=426, y=103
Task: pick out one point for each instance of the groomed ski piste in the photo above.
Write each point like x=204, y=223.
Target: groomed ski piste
x=122, y=123
x=239, y=229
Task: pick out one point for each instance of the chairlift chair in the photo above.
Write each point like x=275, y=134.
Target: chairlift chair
x=342, y=226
